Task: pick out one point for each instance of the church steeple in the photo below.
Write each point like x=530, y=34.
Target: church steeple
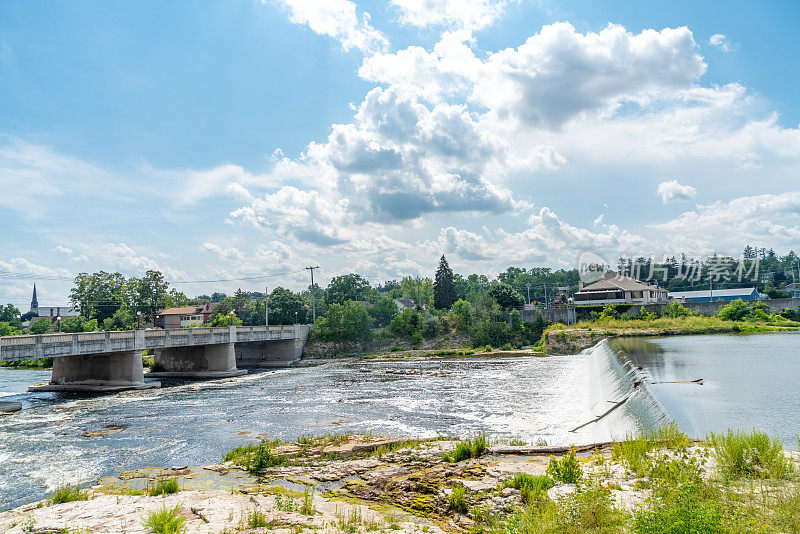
x=34, y=301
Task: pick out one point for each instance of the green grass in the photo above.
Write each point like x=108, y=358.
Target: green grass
x=589, y=509
x=633, y=451
x=165, y=521
x=254, y=457
x=458, y=498
x=753, y=455
x=163, y=486
x=68, y=493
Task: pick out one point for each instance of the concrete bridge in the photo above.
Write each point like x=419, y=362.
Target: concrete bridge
x=112, y=361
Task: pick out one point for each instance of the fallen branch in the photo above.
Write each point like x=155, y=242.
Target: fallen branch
x=614, y=407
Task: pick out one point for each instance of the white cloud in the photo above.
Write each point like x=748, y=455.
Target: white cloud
x=223, y=252
x=22, y=265
x=62, y=250
x=337, y=19
x=672, y=190
x=720, y=40
x=771, y=219
x=446, y=71
x=559, y=73
x=33, y=177
x=469, y=14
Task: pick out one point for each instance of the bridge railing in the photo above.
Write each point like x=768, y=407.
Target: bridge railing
x=56, y=345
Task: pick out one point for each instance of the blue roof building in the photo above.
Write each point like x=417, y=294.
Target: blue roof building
x=724, y=295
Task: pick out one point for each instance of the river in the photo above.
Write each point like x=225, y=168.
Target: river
x=60, y=439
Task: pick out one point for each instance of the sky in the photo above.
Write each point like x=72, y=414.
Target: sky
x=245, y=138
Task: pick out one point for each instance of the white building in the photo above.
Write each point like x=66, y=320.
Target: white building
x=613, y=288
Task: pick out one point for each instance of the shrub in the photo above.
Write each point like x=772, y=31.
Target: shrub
x=307, y=508
x=753, y=455
x=256, y=519
x=430, y=326
x=164, y=486
x=734, y=311
x=609, y=312
x=165, y=521
x=462, y=311
x=674, y=309
x=68, y=493
x=532, y=489
x=458, y=498
x=405, y=323
x=566, y=469
x=345, y=322
x=589, y=509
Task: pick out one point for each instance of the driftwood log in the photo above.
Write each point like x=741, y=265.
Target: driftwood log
x=527, y=450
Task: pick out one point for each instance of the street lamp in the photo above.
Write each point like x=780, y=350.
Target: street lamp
x=295, y=317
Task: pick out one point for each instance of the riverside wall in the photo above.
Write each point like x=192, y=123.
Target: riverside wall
x=559, y=315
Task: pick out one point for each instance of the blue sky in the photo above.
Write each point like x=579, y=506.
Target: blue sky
x=144, y=135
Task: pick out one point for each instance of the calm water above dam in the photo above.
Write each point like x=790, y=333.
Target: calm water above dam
x=749, y=381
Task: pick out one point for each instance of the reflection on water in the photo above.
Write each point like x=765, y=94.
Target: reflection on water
x=749, y=381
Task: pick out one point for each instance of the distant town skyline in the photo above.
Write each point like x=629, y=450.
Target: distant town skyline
x=238, y=139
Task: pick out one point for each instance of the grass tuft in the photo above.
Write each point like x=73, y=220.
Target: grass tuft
x=254, y=457
x=165, y=521
x=753, y=455
x=68, y=493
x=458, y=498
x=163, y=487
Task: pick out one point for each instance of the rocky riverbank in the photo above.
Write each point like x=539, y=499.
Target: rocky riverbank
x=357, y=484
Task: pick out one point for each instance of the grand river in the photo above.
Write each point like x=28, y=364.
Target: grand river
x=748, y=381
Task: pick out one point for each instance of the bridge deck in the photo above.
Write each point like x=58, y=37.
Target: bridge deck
x=16, y=348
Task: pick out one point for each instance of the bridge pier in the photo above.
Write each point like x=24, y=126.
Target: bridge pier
x=277, y=353
x=97, y=373
x=205, y=361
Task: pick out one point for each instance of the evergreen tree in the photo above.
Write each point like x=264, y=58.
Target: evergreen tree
x=444, y=292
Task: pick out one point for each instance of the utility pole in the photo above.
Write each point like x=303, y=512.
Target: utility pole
x=529, y=293
x=711, y=288
x=545, y=295
x=313, y=295
x=266, y=307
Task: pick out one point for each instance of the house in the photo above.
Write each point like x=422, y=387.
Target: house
x=613, y=288
x=794, y=289
x=724, y=295
x=402, y=304
x=185, y=316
